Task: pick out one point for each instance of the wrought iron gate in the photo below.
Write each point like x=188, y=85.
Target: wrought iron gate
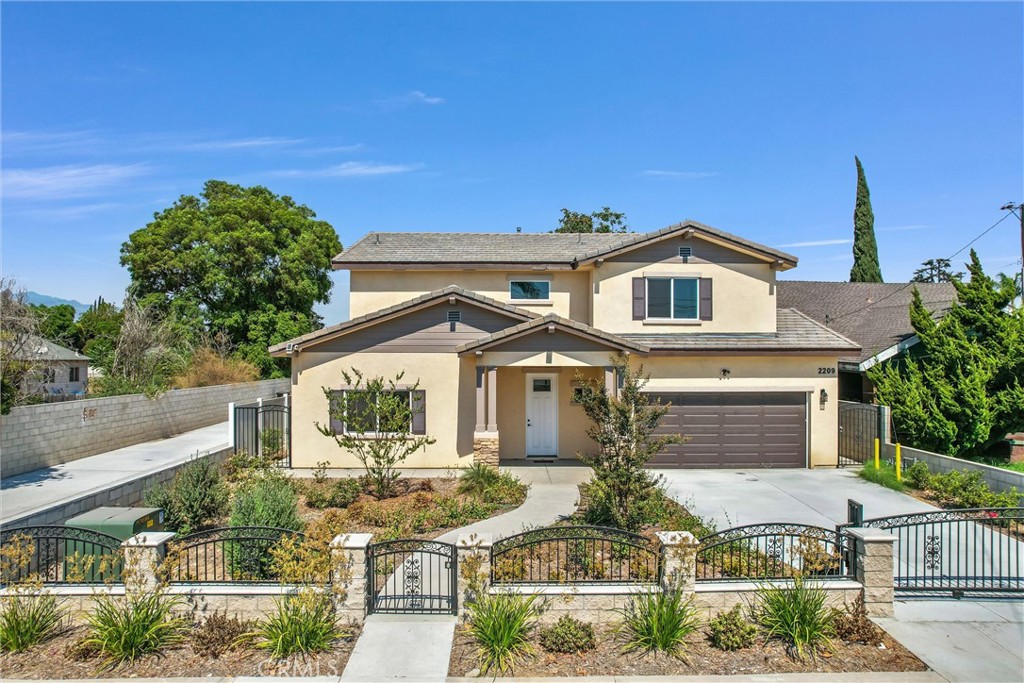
x=962, y=552
x=412, y=576
x=858, y=429
x=265, y=430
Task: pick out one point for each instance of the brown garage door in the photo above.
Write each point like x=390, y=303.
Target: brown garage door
x=734, y=430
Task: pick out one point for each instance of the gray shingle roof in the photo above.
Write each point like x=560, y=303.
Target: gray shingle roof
x=875, y=315
x=618, y=341
x=40, y=349
x=794, y=332
x=434, y=248
x=450, y=290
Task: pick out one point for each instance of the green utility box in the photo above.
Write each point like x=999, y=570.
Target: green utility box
x=121, y=523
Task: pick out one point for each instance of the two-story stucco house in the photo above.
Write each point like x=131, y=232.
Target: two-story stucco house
x=496, y=327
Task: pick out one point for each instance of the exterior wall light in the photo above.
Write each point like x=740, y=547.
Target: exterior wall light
x=725, y=373
x=822, y=399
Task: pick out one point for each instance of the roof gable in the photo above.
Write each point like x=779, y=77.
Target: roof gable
x=557, y=325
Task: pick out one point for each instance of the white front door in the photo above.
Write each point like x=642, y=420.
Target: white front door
x=541, y=414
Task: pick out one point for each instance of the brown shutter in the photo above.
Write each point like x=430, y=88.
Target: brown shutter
x=705, y=298
x=639, y=298
x=419, y=412
x=334, y=408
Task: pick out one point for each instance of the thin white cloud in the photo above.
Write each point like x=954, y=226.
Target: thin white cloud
x=63, y=182
x=238, y=144
x=95, y=142
x=350, y=169
x=409, y=99
x=337, y=149
x=682, y=175
x=902, y=228
x=816, y=243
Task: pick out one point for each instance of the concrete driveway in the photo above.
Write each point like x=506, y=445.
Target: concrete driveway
x=755, y=496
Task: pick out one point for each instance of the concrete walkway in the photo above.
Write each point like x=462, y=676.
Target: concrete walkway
x=32, y=493
x=970, y=641
x=399, y=647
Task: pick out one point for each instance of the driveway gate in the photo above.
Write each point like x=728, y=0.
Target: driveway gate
x=265, y=429
x=966, y=551
x=411, y=576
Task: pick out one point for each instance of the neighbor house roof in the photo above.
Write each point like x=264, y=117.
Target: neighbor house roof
x=560, y=250
x=795, y=332
x=406, y=306
x=41, y=349
x=557, y=322
x=874, y=315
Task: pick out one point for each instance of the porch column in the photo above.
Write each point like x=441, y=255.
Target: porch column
x=481, y=416
x=609, y=381
x=492, y=398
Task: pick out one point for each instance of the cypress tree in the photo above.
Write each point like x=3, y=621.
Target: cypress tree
x=865, y=249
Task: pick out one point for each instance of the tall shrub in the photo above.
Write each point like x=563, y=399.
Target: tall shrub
x=865, y=248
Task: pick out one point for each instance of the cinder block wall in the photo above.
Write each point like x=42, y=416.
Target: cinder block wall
x=997, y=478
x=33, y=437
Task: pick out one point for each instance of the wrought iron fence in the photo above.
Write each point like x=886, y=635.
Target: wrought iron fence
x=264, y=430
x=975, y=550
x=60, y=555
x=412, y=576
x=575, y=554
x=772, y=551
x=227, y=555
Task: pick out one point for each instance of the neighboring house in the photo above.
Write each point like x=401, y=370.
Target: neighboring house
x=497, y=328
x=874, y=315
x=63, y=373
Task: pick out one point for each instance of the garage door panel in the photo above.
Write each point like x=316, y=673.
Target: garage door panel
x=736, y=430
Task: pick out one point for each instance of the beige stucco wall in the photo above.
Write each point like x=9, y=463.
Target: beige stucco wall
x=743, y=296
x=764, y=373
x=572, y=422
x=448, y=380
x=374, y=290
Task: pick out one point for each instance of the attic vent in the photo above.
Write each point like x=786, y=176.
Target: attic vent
x=685, y=253
x=455, y=316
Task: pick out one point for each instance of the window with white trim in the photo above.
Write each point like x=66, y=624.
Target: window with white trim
x=676, y=298
x=529, y=290
x=358, y=418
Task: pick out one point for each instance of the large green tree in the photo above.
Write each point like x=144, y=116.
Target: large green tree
x=56, y=322
x=961, y=390
x=238, y=260
x=936, y=270
x=865, y=248
x=604, y=220
x=97, y=330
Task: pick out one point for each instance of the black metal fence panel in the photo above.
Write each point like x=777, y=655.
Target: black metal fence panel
x=411, y=576
x=227, y=555
x=773, y=551
x=59, y=555
x=575, y=555
x=962, y=552
x=858, y=429
x=264, y=430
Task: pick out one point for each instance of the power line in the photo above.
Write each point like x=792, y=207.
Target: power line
x=910, y=284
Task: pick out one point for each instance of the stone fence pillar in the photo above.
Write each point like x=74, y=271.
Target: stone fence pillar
x=874, y=568
x=143, y=554
x=474, y=568
x=678, y=561
x=348, y=557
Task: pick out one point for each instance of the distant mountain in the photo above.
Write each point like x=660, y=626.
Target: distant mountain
x=46, y=300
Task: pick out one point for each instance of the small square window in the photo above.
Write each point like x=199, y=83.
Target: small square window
x=529, y=290
x=542, y=385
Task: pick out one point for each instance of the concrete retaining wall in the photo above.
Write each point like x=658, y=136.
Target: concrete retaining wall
x=38, y=436
x=997, y=478
x=127, y=494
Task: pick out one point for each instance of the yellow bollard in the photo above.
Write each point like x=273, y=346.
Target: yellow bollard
x=899, y=464
x=878, y=464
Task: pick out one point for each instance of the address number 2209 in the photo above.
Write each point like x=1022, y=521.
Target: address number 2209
x=826, y=371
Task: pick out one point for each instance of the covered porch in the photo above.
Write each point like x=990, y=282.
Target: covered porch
x=527, y=380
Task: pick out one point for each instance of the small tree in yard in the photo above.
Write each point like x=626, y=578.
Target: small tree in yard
x=623, y=428
x=373, y=420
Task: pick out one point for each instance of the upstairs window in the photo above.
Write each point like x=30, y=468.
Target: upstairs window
x=529, y=290
x=672, y=298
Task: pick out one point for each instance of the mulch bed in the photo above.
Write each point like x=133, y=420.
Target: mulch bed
x=700, y=659
x=55, y=659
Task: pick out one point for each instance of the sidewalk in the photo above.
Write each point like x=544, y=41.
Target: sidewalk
x=32, y=493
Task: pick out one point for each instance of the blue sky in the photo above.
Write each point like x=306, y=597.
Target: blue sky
x=484, y=117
